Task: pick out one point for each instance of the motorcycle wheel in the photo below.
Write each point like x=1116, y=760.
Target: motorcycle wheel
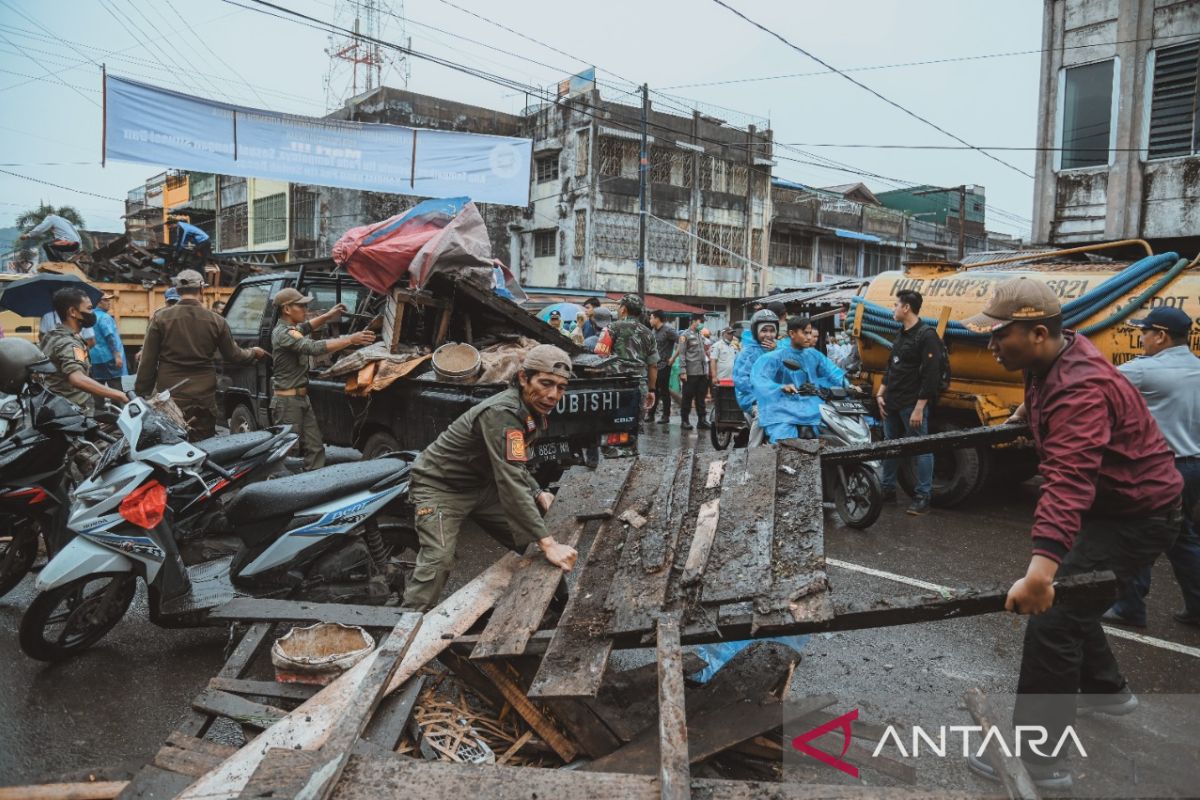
x=71, y=618
x=720, y=437
x=859, y=498
x=18, y=551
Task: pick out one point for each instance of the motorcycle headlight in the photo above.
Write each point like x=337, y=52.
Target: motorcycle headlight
x=97, y=495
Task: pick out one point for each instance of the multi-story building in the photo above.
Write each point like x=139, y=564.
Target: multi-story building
x=1119, y=123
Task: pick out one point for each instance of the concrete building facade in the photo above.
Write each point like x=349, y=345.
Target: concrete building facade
x=1119, y=123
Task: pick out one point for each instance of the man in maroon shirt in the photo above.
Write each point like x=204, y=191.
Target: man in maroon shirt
x=1110, y=501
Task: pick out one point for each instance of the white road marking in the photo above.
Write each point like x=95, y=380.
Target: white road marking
x=1120, y=633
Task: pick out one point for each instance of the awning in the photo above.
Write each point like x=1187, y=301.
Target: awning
x=663, y=304
x=862, y=237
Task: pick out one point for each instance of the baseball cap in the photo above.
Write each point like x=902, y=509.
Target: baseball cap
x=189, y=279
x=1174, y=321
x=1015, y=300
x=108, y=296
x=548, y=358
x=172, y=295
x=602, y=317
x=289, y=296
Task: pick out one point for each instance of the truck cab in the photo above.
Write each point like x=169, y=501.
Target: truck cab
x=597, y=409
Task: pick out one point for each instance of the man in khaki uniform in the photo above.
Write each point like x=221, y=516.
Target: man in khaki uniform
x=181, y=343
x=477, y=469
x=290, y=351
x=69, y=353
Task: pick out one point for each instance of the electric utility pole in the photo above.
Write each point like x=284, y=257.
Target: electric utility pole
x=643, y=168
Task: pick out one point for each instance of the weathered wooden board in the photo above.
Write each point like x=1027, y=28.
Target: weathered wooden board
x=639, y=587
x=578, y=653
x=248, y=609
x=562, y=746
x=739, y=564
x=388, y=723
x=1011, y=769
x=702, y=540
x=674, y=773
x=274, y=689
x=97, y=790
x=798, y=587
x=238, y=709
x=984, y=436
x=586, y=493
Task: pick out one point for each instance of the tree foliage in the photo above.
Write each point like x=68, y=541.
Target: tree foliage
x=32, y=217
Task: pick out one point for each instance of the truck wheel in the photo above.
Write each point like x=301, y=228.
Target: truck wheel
x=378, y=443
x=242, y=420
x=957, y=474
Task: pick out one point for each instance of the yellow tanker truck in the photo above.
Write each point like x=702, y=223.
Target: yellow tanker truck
x=1098, y=297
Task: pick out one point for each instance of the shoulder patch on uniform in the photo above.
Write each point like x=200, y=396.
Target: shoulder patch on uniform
x=80, y=354
x=425, y=512
x=295, y=334
x=514, y=445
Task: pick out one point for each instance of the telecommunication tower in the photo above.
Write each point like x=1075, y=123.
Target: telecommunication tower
x=357, y=62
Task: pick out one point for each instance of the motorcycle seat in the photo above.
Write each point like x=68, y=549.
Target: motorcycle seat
x=285, y=496
x=225, y=450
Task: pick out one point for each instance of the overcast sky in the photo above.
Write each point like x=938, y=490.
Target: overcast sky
x=50, y=77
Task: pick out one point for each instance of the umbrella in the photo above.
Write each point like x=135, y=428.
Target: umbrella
x=31, y=297
x=568, y=310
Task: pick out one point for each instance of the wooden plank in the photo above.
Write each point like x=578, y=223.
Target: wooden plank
x=674, y=774
x=798, y=586
x=639, y=586
x=584, y=725
x=238, y=709
x=192, y=763
x=324, y=771
x=575, y=661
x=702, y=540
x=563, y=747
x=582, y=492
x=388, y=723
x=1010, y=768
x=153, y=783
x=740, y=560
x=95, y=790
x=252, y=609
x=215, y=749
x=196, y=723
x=274, y=689
x=983, y=436
x=309, y=725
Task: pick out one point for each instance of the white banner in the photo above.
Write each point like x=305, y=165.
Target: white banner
x=149, y=125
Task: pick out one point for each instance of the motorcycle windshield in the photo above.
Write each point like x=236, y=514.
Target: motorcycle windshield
x=158, y=430
x=114, y=454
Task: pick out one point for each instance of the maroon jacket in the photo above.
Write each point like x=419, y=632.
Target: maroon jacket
x=1100, y=449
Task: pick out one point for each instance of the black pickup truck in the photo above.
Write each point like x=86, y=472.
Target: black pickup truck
x=409, y=414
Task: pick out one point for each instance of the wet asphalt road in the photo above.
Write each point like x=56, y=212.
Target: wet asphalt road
x=112, y=707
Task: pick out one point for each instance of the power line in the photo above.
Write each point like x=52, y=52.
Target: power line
x=952, y=147
x=223, y=62
x=48, y=72
x=176, y=41
x=60, y=186
x=863, y=86
x=129, y=26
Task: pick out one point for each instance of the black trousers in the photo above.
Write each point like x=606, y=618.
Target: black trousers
x=1066, y=651
x=662, y=392
x=59, y=250
x=695, y=389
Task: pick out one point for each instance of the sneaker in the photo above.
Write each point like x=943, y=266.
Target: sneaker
x=919, y=507
x=1185, y=618
x=889, y=496
x=1113, y=618
x=1045, y=776
x=1114, y=704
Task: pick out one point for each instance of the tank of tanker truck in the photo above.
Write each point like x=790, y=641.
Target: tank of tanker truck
x=981, y=391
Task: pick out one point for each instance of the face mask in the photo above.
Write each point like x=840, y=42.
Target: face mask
x=88, y=318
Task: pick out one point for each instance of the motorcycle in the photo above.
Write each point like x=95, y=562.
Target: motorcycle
x=312, y=536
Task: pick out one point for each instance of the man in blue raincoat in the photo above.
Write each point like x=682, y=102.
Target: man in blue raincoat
x=763, y=330
x=777, y=377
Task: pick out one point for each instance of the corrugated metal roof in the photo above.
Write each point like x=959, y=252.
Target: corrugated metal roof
x=831, y=292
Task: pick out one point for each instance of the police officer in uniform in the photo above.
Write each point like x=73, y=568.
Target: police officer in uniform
x=477, y=470
x=290, y=350
x=634, y=347
x=69, y=353
x=181, y=343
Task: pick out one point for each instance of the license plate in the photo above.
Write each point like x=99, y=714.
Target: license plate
x=551, y=451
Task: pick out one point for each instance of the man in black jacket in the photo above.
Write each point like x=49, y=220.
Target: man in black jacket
x=909, y=386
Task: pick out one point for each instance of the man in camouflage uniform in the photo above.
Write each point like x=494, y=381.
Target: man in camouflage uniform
x=69, y=353
x=181, y=342
x=477, y=469
x=290, y=351
x=634, y=347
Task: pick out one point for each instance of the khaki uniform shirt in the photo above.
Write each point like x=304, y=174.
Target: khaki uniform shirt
x=490, y=444
x=290, y=349
x=181, y=343
x=69, y=353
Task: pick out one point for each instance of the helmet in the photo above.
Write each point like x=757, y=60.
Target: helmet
x=18, y=358
x=632, y=302
x=763, y=316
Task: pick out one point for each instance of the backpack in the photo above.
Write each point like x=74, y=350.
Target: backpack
x=943, y=362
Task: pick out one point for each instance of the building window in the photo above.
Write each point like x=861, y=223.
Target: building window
x=270, y=218
x=1087, y=115
x=231, y=230
x=543, y=243
x=547, y=168
x=619, y=158
x=580, y=232
x=1174, y=114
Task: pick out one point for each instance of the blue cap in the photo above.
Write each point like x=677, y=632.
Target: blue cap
x=172, y=294
x=1172, y=320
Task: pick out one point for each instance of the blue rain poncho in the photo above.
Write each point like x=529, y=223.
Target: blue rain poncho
x=751, y=352
x=779, y=413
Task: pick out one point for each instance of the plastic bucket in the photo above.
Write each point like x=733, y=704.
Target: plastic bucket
x=456, y=363
x=319, y=653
